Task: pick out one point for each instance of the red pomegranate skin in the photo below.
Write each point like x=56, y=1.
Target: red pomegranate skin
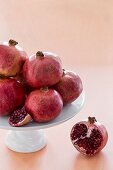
x=97, y=126
x=70, y=87
x=20, y=79
x=42, y=71
x=12, y=96
x=44, y=105
x=12, y=59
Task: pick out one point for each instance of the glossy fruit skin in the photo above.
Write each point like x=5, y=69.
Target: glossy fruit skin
x=12, y=59
x=96, y=126
x=39, y=72
x=44, y=105
x=12, y=96
x=70, y=87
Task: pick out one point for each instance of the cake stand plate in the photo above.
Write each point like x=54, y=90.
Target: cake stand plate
x=31, y=137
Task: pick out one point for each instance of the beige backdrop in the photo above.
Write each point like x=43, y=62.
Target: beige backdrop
x=80, y=31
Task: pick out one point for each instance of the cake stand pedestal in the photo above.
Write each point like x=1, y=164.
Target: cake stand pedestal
x=31, y=137
x=16, y=140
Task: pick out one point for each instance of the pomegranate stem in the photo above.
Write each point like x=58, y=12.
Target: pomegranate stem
x=12, y=42
x=44, y=88
x=63, y=72
x=40, y=55
x=1, y=76
x=92, y=120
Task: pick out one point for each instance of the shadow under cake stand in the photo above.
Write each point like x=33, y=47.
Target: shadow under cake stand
x=33, y=133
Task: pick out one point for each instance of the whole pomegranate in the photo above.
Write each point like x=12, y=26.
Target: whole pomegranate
x=44, y=105
x=12, y=58
x=42, y=69
x=89, y=136
x=70, y=87
x=12, y=96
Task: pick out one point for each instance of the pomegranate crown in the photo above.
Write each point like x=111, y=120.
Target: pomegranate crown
x=40, y=55
x=44, y=88
x=1, y=76
x=63, y=72
x=92, y=120
x=12, y=42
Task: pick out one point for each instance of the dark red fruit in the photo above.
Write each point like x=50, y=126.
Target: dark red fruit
x=12, y=58
x=89, y=137
x=27, y=88
x=42, y=69
x=44, y=105
x=70, y=87
x=12, y=96
x=19, y=117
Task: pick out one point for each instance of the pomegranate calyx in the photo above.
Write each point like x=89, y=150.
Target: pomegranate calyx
x=63, y=72
x=44, y=88
x=92, y=120
x=12, y=42
x=1, y=76
x=40, y=55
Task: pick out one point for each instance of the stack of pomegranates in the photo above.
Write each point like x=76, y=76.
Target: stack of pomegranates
x=36, y=88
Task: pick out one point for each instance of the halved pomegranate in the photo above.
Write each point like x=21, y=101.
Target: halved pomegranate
x=19, y=117
x=89, y=136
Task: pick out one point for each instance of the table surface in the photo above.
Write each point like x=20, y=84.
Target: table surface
x=81, y=32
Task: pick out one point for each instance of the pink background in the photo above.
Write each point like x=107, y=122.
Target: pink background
x=81, y=32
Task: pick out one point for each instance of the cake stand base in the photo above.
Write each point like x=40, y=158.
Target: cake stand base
x=26, y=141
x=30, y=138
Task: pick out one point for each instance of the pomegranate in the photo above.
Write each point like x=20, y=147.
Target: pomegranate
x=89, y=136
x=44, y=105
x=27, y=88
x=19, y=117
x=42, y=69
x=12, y=96
x=12, y=58
x=70, y=87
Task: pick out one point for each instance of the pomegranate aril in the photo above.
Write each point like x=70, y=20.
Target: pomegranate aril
x=92, y=143
x=96, y=134
x=18, y=115
x=79, y=130
x=89, y=152
x=83, y=142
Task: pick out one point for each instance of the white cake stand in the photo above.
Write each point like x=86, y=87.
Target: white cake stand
x=31, y=138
